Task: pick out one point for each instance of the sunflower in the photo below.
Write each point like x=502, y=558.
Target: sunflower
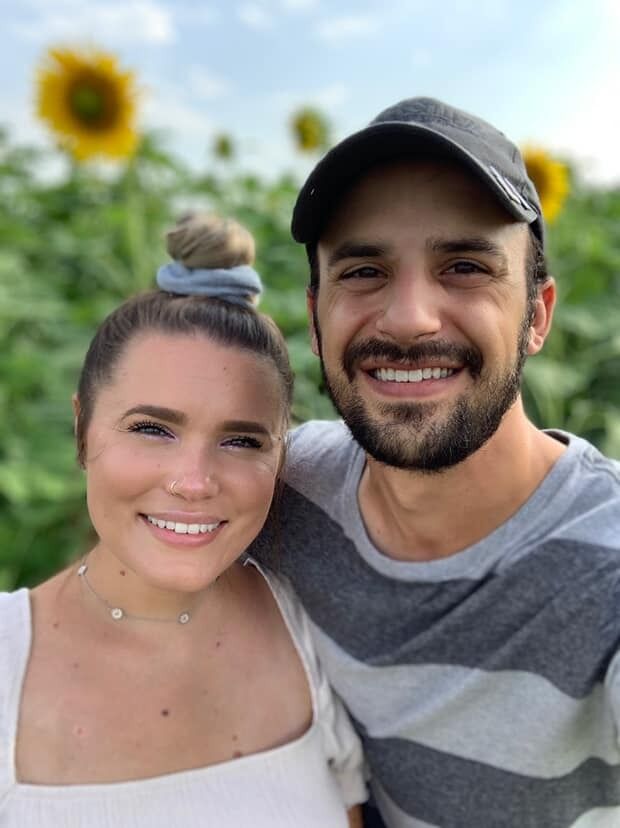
x=551, y=179
x=310, y=130
x=88, y=102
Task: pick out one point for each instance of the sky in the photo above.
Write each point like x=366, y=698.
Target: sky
x=544, y=71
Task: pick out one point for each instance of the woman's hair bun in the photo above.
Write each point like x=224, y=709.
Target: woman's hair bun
x=203, y=240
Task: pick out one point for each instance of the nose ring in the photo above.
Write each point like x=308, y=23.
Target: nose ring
x=171, y=488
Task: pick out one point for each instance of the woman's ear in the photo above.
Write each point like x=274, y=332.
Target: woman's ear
x=81, y=449
x=75, y=402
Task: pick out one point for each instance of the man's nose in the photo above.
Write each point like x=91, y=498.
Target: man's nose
x=412, y=307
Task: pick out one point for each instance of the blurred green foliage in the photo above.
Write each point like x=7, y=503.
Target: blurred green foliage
x=70, y=251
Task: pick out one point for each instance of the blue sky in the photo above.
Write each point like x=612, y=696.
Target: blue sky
x=546, y=72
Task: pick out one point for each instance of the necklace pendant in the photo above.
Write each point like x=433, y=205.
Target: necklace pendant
x=184, y=618
x=117, y=613
x=82, y=570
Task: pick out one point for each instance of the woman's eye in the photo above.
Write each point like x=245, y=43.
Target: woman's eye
x=243, y=441
x=151, y=428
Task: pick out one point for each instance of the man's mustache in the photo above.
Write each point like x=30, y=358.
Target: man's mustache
x=357, y=352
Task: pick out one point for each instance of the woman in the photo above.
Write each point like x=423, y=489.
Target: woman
x=165, y=680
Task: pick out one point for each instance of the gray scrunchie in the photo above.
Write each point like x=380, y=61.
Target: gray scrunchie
x=235, y=284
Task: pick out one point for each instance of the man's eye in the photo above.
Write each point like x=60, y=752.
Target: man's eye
x=365, y=272
x=465, y=268
x=243, y=441
x=148, y=427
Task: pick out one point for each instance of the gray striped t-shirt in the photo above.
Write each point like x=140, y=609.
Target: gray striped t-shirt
x=486, y=685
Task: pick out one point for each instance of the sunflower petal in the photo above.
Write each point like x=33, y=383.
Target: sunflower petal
x=551, y=179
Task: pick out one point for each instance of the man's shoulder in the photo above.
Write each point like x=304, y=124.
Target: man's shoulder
x=586, y=494
x=322, y=469
x=319, y=447
x=591, y=469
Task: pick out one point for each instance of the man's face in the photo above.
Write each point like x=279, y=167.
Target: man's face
x=421, y=318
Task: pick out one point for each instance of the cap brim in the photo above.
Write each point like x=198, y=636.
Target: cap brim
x=376, y=144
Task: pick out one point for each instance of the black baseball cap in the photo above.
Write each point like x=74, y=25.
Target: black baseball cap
x=419, y=126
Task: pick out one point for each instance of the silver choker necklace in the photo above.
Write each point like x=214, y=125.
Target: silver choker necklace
x=119, y=614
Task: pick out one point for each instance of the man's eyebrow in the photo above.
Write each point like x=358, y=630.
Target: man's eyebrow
x=471, y=244
x=356, y=250
x=170, y=415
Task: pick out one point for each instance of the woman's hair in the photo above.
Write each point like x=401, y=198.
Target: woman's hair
x=198, y=242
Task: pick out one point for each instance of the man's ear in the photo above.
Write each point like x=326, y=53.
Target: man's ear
x=543, y=316
x=311, y=307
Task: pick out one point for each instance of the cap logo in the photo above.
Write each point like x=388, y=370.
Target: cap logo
x=428, y=112
x=511, y=191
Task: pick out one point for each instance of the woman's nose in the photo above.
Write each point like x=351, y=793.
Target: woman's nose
x=198, y=480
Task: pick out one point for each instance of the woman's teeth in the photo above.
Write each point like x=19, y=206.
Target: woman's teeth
x=184, y=528
x=420, y=374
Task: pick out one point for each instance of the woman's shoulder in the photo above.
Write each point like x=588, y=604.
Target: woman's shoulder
x=341, y=745
x=14, y=612
x=15, y=630
x=15, y=635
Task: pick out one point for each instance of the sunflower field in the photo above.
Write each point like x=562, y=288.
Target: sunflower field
x=71, y=249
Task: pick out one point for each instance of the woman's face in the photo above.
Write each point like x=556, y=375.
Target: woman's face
x=209, y=417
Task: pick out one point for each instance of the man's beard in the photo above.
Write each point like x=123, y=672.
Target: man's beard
x=416, y=435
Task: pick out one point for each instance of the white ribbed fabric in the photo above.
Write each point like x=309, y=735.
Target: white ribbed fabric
x=307, y=783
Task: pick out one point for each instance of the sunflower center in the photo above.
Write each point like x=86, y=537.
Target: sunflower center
x=92, y=101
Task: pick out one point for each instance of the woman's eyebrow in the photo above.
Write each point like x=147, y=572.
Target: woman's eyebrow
x=247, y=426
x=171, y=415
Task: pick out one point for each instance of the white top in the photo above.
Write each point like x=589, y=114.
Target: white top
x=307, y=783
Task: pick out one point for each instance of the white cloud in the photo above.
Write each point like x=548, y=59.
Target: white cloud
x=611, y=11
x=18, y=115
x=134, y=21
x=586, y=121
x=255, y=16
x=166, y=109
x=336, y=29
x=189, y=14
x=330, y=97
x=206, y=85
x=588, y=132
x=298, y=5
x=420, y=58
x=327, y=98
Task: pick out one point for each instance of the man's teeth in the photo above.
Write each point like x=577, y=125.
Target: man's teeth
x=184, y=528
x=394, y=375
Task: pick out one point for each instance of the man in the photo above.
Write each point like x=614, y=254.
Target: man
x=460, y=567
